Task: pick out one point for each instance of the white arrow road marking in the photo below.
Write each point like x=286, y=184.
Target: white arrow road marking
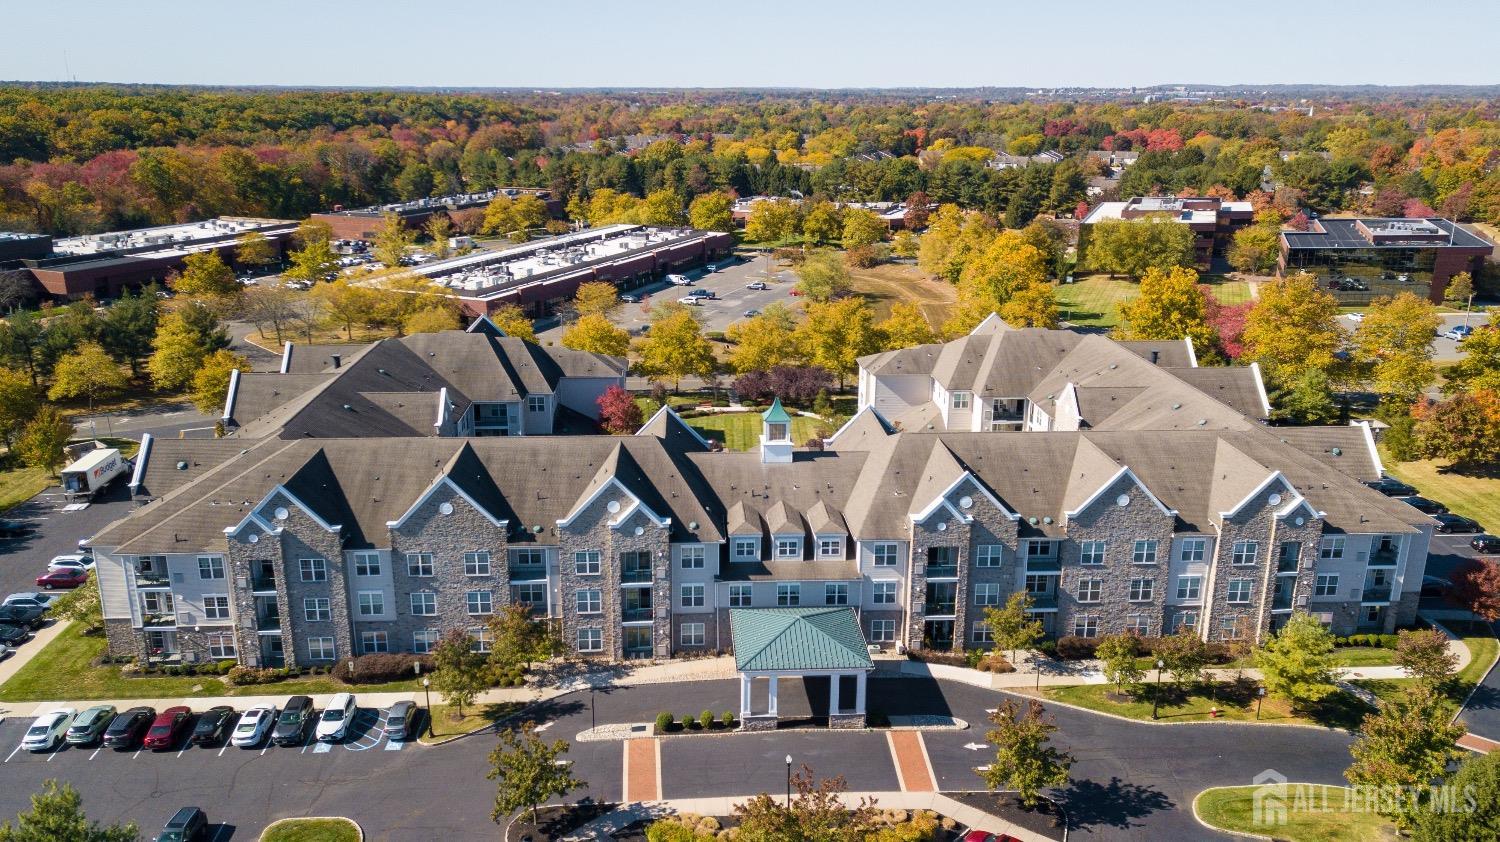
x=544, y=726
x=975, y=746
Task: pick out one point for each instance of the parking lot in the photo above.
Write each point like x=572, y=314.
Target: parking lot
x=1442, y=347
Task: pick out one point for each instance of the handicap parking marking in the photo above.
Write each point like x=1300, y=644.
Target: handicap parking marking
x=322, y=748
x=395, y=745
x=368, y=737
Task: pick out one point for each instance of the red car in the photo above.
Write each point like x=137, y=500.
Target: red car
x=62, y=577
x=982, y=836
x=167, y=727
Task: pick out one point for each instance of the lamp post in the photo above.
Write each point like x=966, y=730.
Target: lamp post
x=1156, y=697
x=1260, y=696
x=592, y=725
x=427, y=688
x=789, y=782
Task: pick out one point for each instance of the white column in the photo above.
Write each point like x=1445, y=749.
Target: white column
x=859, y=692
x=772, y=711
x=833, y=694
x=746, y=683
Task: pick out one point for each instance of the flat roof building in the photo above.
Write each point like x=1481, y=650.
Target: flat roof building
x=364, y=223
x=1363, y=258
x=15, y=246
x=1212, y=219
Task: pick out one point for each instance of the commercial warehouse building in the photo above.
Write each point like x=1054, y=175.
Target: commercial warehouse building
x=1361, y=259
x=364, y=223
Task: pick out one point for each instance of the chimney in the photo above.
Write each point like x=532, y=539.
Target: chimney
x=1155, y=357
x=337, y=359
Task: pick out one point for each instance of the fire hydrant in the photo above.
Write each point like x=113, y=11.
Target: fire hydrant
x=1213, y=712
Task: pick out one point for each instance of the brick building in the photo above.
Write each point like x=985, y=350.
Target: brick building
x=365, y=223
x=1361, y=259
x=1212, y=220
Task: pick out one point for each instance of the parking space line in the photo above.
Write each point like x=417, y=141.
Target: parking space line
x=51, y=754
x=223, y=748
x=13, y=752
x=96, y=752
x=138, y=752
x=219, y=832
x=185, y=747
x=267, y=748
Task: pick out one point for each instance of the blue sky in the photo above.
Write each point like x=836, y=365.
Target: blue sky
x=547, y=43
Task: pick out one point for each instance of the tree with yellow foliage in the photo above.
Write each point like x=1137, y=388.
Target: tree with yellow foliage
x=835, y=334
x=1293, y=327
x=1171, y=305
x=765, y=341
x=596, y=334
x=1007, y=265
x=513, y=322
x=905, y=327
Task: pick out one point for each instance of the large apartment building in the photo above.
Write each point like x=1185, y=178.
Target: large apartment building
x=301, y=550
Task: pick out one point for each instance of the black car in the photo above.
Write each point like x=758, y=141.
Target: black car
x=1448, y=523
x=293, y=723
x=1425, y=506
x=1392, y=487
x=129, y=727
x=186, y=825
x=12, y=635
x=23, y=615
x=1485, y=543
x=15, y=528
x=213, y=725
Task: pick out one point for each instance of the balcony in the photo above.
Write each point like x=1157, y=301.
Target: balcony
x=1043, y=565
x=1383, y=558
x=1286, y=565
x=263, y=582
x=152, y=579
x=158, y=620
x=1040, y=601
x=267, y=621
x=942, y=571
x=528, y=572
x=629, y=614
x=940, y=609
x=1282, y=601
x=1376, y=594
x=635, y=575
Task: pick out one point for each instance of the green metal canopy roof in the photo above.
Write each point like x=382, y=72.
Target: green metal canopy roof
x=776, y=414
x=798, y=639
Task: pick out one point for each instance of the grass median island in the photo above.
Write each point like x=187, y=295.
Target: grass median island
x=312, y=830
x=67, y=669
x=446, y=723
x=1314, y=813
x=1235, y=701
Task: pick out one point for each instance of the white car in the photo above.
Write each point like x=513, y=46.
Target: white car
x=47, y=731
x=253, y=726
x=712, y=267
x=31, y=599
x=1356, y=317
x=680, y=280
x=333, y=725
x=73, y=561
x=757, y=285
x=690, y=299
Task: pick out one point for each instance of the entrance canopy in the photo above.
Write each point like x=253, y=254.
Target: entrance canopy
x=775, y=643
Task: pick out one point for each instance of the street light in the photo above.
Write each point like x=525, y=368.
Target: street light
x=789, y=782
x=1156, y=697
x=1260, y=696
x=592, y=688
x=427, y=688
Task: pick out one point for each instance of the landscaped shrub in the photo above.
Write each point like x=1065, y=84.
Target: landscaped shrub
x=174, y=669
x=664, y=722
x=706, y=719
x=379, y=668
x=251, y=675
x=1073, y=648
x=1389, y=641
x=689, y=722
x=727, y=719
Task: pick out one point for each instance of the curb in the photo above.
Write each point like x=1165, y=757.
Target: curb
x=494, y=727
x=1241, y=834
x=359, y=831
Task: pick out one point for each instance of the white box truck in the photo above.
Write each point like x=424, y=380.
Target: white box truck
x=94, y=470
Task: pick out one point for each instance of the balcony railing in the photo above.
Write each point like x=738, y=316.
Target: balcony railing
x=262, y=582
x=267, y=622
x=1043, y=600
x=151, y=579
x=528, y=572
x=940, y=608
x=635, y=574
x=1380, y=594
x=1286, y=565
x=1383, y=558
x=1281, y=601
x=1043, y=565
x=942, y=571
x=632, y=615
x=158, y=620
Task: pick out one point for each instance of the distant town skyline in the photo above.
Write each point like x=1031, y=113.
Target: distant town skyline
x=677, y=44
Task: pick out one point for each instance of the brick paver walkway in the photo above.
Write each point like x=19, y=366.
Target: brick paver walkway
x=909, y=753
x=642, y=770
x=1474, y=742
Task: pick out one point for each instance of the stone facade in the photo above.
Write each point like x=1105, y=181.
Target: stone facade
x=1120, y=527
x=125, y=641
x=590, y=530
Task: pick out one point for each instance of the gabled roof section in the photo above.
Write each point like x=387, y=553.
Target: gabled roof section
x=863, y=431
x=823, y=519
x=782, y=520
x=744, y=520
x=482, y=324
x=1091, y=472
x=1237, y=479
x=668, y=426
x=943, y=473
x=618, y=470
x=466, y=475
x=991, y=324
x=798, y=639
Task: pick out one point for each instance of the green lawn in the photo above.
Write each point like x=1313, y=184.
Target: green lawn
x=1227, y=292
x=1483, y=649
x=65, y=671
x=1094, y=301
x=312, y=830
x=1477, y=497
x=447, y=723
x=1314, y=813
x=741, y=430
x=1344, y=656
x=1235, y=701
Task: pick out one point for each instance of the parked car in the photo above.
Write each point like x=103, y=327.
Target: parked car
x=701, y=293
x=757, y=285
x=23, y=615
x=189, y=824
x=712, y=267
x=88, y=727
x=1392, y=487
x=31, y=599
x=48, y=729
x=627, y=298
x=400, y=720
x=680, y=280
x=126, y=728
x=1425, y=506
x=986, y=836
x=691, y=299
x=253, y=726
x=751, y=313
x=213, y=725
x=1356, y=317
x=77, y=561
x=1458, y=333
x=1451, y=523
x=1485, y=543
x=295, y=719
x=12, y=635
x=167, y=727
x=15, y=528
x=333, y=725
x=65, y=578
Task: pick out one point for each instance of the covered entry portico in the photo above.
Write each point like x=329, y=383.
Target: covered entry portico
x=801, y=643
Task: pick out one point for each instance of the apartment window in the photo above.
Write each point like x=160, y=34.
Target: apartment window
x=1138, y=624
x=1086, y=625
x=1185, y=620
x=1091, y=552
x=529, y=557
x=1040, y=549
x=788, y=547
x=692, y=558
x=1141, y=589
x=210, y=567
x=313, y=569
x=316, y=609
x=1089, y=589
x=589, y=601
x=960, y=400
x=320, y=648
x=692, y=596
x=424, y=641
x=1193, y=549
x=830, y=548
x=883, y=593
x=586, y=563
x=739, y=596
x=986, y=593
x=480, y=602
x=1144, y=552
x=1326, y=585
x=692, y=634
x=1231, y=627
x=884, y=554
x=536, y=403
x=747, y=548
x=982, y=632
x=477, y=564
x=367, y=564
x=1332, y=548
x=1038, y=584
x=788, y=594
x=1189, y=588
x=221, y=645
x=591, y=640
x=1245, y=552
x=424, y=604
x=883, y=631
x=532, y=595
x=216, y=607
x=419, y=564
x=371, y=603
x=836, y=593
x=374, y=641
x=156, y=602
x=1239, y=591
x=480, y=640
x=988, y=555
